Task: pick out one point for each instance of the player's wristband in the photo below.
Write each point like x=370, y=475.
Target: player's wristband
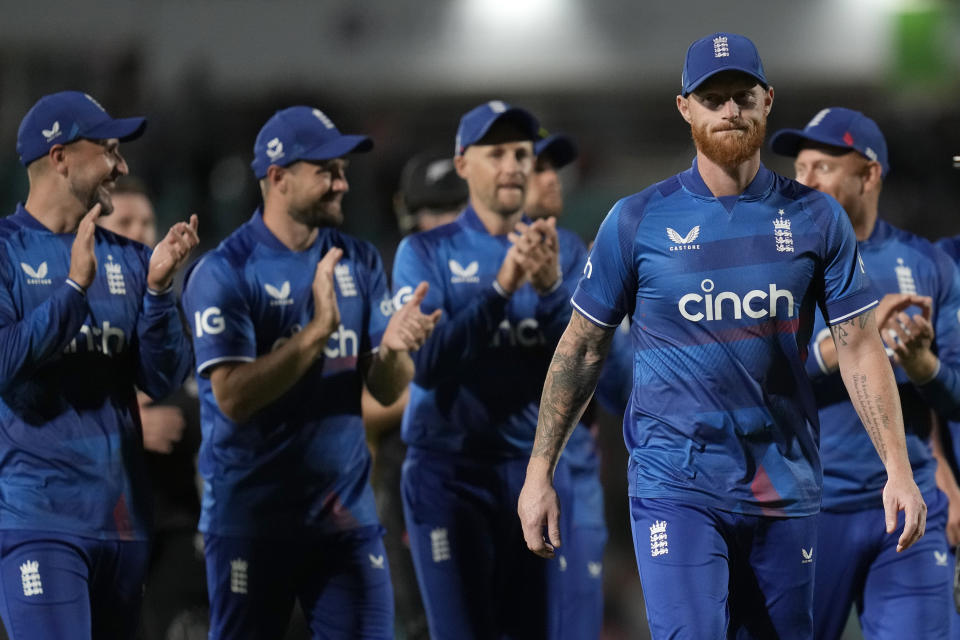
x=154, y=292
x=500, y=290
x=80, y=290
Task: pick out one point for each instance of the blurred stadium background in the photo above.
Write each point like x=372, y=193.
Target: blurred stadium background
x=208, y=73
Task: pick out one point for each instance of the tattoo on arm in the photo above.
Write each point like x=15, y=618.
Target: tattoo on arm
x=872, y=412
x=570, y=382
x=841, y=330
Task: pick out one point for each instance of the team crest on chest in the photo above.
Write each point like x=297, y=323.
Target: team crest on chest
x=905, y=278
x=115, y=282
x=684, y=243
x=348, y=288
x=782, y=235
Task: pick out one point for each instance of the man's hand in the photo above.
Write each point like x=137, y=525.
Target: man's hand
x=538, y=252
x=83, y=259
x=910, y=339
x=953, y=519
x=162, y=426
x=511, y=275
x=901, y=494
x=539, y=510
x=893, y=303
x=326, y=311
x=171, y=253
x=409, y=327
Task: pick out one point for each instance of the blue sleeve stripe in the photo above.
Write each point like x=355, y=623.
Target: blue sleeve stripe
x=209, y=363
x=852, y=314
x=589, y=317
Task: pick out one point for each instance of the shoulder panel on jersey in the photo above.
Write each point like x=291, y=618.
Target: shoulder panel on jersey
x=950, y=246
x=668, y=186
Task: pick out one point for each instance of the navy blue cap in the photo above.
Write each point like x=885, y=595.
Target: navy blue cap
x=477, y=122
x=837, y=127
x=62, y=118
x=720, y=52
x=302, y=133
x=558, y=147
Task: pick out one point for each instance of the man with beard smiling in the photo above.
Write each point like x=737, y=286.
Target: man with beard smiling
x=84, y=315
x=720, y=268
x=290, y=318
x=503, y=282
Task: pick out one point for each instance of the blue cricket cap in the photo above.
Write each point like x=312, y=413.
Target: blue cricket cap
x=837, y=127
x=302, y=133
x=62, y=118
x=558, y=147
x=720, y=52
x=475, y=124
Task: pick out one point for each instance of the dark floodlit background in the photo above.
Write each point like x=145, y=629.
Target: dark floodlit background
x=208, y=73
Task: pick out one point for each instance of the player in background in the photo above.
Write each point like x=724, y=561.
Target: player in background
x=502, y=281
x=724, y=473
x=291, y=317
x=175, y=593
x=843, y=153
x=85, y=315
x=431, y=194
x=581, y=559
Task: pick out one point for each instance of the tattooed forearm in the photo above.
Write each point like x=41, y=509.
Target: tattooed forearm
x=841, y=330
x=569, y=384
x=872, y=413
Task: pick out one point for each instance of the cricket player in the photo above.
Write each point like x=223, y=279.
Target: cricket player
x=720, y=268
x=290, y=317
x=85, y=314
x=503, y=282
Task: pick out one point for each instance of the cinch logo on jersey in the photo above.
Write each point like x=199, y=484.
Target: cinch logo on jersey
x=525, y=333
x=695, y=307
x=403, y=294
x=36, y=276
x=683, y=243
x=52, y=132
x=348, y=288
x=30, y=578
x=658, y=539
x=346, y=343
x=905, y=278
x=103, y=339
x=115, y=283
x=782, y=235
x=209, y=321
x=386, y=306
x=238, y=576
x=464, y=274
x=281, y=297
x=588, y=268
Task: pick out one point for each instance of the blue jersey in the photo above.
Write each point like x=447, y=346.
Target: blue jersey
x=853, y=475
x=479, y=375
x=71, y=448
x=299, y=466
x=722, y=293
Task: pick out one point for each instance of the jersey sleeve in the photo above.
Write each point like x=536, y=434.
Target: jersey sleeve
x=461, y=334
x=164, y=353
x=943, y=391
x=608, y=285
x=847, y=291
x=29, y=340
x=218, y=314
x=379, y=304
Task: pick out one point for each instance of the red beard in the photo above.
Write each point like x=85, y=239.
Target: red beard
x=730, y=150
